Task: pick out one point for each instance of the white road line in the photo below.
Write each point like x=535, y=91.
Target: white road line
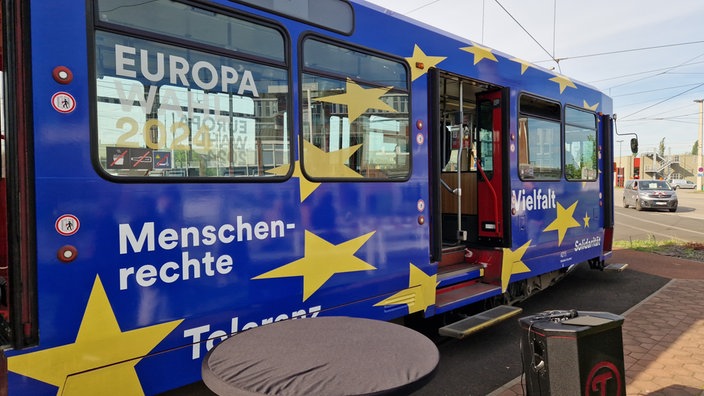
x=659, y=225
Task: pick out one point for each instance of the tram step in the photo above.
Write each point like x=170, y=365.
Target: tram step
x=480, y=321
x=458, y=273
x=459, y=295
x=616, y=267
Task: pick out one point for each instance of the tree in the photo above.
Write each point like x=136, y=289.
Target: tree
x=695, y=148
x=661, y=148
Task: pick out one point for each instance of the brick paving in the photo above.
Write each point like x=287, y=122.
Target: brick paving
x=663, y=336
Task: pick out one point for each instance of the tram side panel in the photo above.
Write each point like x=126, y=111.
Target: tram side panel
x=135, y=268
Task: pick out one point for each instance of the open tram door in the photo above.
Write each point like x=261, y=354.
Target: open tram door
x=18, y=309
x=468, y=162
x=491, y=164
x=469, y=185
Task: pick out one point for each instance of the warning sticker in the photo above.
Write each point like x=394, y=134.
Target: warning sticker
x=162, y=160
x=135, y=158
x=67, y=224
x=63, y=102
x=141, y=158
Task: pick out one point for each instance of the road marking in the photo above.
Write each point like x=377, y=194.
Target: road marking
x=654, y=233
x=660, y=224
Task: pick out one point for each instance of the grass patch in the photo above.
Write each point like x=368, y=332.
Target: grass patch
x=650, y=245
x=685, y=250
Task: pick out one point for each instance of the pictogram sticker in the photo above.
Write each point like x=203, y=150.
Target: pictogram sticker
x=162, y=160
x=420, y=138
x=63, y=102
x=67, y=224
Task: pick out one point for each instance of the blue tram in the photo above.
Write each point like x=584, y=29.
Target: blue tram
x=179, y=171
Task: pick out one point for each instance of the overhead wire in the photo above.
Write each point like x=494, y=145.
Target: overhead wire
x=422, y=6
x=617, y=52
x=666, y=70
x=640, y=73
x=530, y=35
x=651, y=90
x=557, y=60
x=664, y=100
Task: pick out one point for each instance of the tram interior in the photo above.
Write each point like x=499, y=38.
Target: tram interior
x=458, y=109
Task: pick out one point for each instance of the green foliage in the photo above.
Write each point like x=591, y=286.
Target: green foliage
x=686, y=250
x=661, y=147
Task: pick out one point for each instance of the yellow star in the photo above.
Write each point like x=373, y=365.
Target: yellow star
x=564, y=82
x=419, y=57
x=321, y=261
x=524, y=64
x=318, y=163
x=306, y=186
x=591, y=107
x=99, y=342
x=358, y=99
x=419, y=295
x=563, y=222
x=586, y=220
x=512, y=263
x=479, y=52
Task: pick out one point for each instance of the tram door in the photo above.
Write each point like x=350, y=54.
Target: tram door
x=471, y=176
x=458, y=176
x=490, y=168
x=18, y=310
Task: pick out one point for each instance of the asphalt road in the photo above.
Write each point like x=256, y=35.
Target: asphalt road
x=687, y=224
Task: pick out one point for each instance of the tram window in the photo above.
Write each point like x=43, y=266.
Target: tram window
x=169, y=111
x=336, y=15
x=539, y=149
x=355, y=114
x=184, y=21
x=486, y=136
x=580, y=145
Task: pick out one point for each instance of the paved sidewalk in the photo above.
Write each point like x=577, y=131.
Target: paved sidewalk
x=663, y=336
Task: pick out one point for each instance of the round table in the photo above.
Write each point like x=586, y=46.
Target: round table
x=321, y=356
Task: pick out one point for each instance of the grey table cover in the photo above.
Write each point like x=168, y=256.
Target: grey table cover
x=321, y=356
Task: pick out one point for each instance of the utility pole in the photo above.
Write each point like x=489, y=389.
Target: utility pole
x=619, y=172
x=700, y=170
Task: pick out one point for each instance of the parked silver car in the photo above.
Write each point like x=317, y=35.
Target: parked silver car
x=649, y=194
x=682, y=183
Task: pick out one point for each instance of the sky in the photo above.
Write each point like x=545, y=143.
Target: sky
x=647, y=55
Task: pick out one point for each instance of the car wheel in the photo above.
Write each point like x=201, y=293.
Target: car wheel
x=638, y=207
x=625, y=205
x=673, y=209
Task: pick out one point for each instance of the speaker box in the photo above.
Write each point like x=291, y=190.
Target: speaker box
x=573, y=353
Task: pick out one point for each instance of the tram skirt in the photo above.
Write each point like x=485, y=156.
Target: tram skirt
x=573, y=353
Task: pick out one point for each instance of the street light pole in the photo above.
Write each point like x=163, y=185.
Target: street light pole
x=699, y=144
x=619, y=173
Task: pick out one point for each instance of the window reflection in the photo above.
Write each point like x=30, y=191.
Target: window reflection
x=354, y=128
x=171, y=111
